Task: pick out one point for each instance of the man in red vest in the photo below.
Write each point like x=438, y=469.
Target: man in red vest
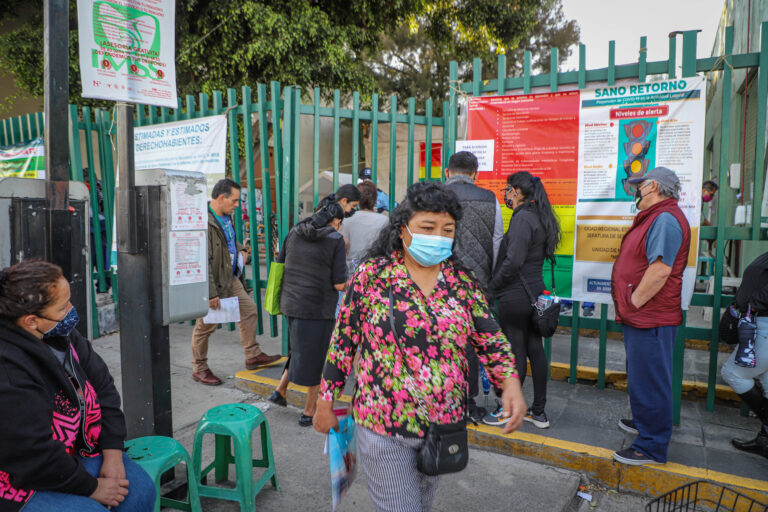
x=646, y=286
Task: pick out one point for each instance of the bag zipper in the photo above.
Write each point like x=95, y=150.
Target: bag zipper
x=81, y=401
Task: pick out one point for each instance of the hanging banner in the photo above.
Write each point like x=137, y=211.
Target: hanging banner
x=625, y=131
x=584, y=145
x=196, y=145
x=127, y=51
x=23, y=160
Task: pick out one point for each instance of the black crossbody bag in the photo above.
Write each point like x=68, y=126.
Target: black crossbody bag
x=445, y=448
x=544, y=321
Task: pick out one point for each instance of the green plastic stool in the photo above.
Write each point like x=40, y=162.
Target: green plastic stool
x=158, y=454
x=234, y=424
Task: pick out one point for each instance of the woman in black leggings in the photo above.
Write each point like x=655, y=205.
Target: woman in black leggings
x=532, y=236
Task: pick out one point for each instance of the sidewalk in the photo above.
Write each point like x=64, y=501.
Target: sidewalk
x=576, y=449
x=491, y=480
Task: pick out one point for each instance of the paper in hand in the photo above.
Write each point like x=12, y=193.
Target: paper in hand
x=229, y=311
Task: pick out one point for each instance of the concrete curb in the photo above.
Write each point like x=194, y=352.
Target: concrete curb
x=597, y=463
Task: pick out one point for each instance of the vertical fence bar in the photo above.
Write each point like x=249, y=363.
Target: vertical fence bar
x=446, y=155
x=108, y=178
x=95, y=219
x=190, y=113
x=553, y=84
x=25, y=137
x=453, y=115
x=582, y=66
x=392, y=150
x=316, y=148
x=234, y=152
x=672, y=62
x=16, y=130
x=178, y=110
x=677, y=371
x=477, y=76
x=285, y=185
x=251, y=183
x=428, y=141
x=527, y=72
x=336, y=106
x=762, y=112
x=689, y=53
x=725, y=127
x=296, y=155
x=4, y=136
x=411, y=128
x=501, y=74
x=75, y=157
x=203, y=99
x=642, y=57
x=603, y=346
x=574, y=361
x=218, y=103
x=277, y=151
x=374, y=137
x=611, y=62
x=355, y=134
x=266, y=189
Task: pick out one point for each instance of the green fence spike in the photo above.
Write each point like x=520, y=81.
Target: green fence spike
x=355, y=134
x=374, y=137
x=611, y=62
x=428, y=141
x=392, y=150
x=553, y=65
x=316, y=148
x=411, y=153
x=526, y=73
x=267, y=174
x=501, y=75
x=641, y=59
x=336, y=107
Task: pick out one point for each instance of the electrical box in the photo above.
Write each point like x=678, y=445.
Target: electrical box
x=177, y=239
x=24, y=228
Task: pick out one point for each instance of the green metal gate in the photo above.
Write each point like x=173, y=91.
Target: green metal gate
x=95, y=129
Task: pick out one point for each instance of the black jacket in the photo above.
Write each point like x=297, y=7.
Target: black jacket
x=521, y=254
x=754, y=286
x=315, y=260
x=45, y=421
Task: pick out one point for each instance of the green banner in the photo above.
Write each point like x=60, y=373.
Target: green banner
x=23, y=160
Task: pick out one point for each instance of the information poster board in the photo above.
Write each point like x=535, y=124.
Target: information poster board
x=23, y=160
x=584, y=145
x=625, y=131
x=127, y=50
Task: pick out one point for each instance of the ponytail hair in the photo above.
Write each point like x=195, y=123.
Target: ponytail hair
x=533, y=190
x=348, y=192
x=326, y=214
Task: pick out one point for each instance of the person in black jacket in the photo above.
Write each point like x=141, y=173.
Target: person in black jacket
x=62, y=429
x=533, y=235
x=752, y=296
x=315, y=272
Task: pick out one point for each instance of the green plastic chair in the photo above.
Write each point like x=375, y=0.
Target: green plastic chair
x=158, y=454
x=233, y=424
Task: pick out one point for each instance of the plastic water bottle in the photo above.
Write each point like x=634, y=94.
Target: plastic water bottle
x=544, y=301
x=486, y=382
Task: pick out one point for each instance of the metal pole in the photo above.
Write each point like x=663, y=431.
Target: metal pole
x=144, y=340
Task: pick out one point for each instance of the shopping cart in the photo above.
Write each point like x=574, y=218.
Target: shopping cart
x=704, y=496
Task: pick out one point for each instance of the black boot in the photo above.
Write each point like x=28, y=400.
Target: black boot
x=759, y=405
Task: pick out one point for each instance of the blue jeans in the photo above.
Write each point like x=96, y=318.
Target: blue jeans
x=649, y=377
x=141, y=493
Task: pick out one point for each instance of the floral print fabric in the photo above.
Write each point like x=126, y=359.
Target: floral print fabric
x=433, y=333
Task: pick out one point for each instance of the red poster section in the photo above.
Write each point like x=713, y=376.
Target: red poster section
x=538, y=133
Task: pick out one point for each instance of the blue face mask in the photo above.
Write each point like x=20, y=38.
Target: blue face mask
x=64, y=326
x=429, y=250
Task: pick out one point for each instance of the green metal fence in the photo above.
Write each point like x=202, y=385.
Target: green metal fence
x=95, y=129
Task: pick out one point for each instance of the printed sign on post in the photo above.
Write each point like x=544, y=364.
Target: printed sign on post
x=187, y=257
x=127, y=50
x=188, y=206
x=198, y=145
x=482, y=149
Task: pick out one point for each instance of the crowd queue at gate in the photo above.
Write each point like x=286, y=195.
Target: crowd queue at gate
x=420, y=304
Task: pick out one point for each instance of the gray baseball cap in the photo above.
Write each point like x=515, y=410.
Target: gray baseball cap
x=662, y=175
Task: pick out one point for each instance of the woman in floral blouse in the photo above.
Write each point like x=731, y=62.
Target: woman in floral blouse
x=438, y=309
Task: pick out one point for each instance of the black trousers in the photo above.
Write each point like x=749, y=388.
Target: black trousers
x=473, y=376
x=515, y=320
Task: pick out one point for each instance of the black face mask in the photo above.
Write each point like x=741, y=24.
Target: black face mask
x=349, y=214
x=509, y=204
x=638, y=198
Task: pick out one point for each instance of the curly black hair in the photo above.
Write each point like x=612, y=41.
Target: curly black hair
x=420, y=197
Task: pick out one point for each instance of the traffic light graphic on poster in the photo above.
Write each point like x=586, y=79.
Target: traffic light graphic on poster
x=637, y=154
